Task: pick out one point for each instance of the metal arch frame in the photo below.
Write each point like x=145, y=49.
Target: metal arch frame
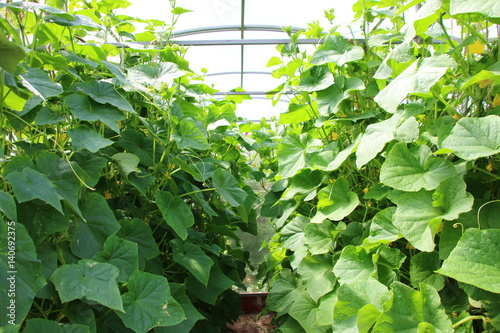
x=226, y=28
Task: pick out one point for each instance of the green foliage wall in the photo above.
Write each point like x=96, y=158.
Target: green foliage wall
x=117, y=200
x=385, y=194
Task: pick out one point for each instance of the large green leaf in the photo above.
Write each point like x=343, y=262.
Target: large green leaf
x=419, y=215
x=472, y=138
x=284, y=290
x=148, y=303
x=330, y=98
x=155, y=74
x=37, y=325
x=41, y=221
x=292, y=234
x=475, y=259
x=88, y=279
x=63, y=177
x=413, y=169
x=188, y=135
x=354, y=264
x=99, y=224
x=12, y=54
x=91, y=164
x=316, y=78
x=191, y=314
x=409, y=309
x=335, y=202
x=359, y=305
x=217, y=284
x=292, y=153
x=382, y=229
x=175, y=212
x=338, y=50
x=20, y=269
x=84, y=109
x=422, y=268
x=304, y=310
x=75, y=21
x=193, y=258
x=8, y=206
x=320, y=237
x=138, y=231
x=378, y=134
x=226, y=185
x=121, y=253
x=31, y=184
x=83, y=137
x=137, y=143
x=419, y=77
x=317, y=273
x=489, y=8
x=38, y=82
x=103, y=92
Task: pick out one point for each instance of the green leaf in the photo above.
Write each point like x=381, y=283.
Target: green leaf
x=419, y=77
x=91, y=164
x=103, y=92
x=62, y=175
x=330, y=98
x=8, y=206
x=475, y=259
x=180, y=10
x=317, y=273
x=292, y=152
x=293, y=235
x=137, y=143
x=489, y=8
x=335, y=202
x=491, y=73
x=88, y=279
x=12, y=54
x=41, y=221
x=378, y=134
x=193, y=259
x=188, y=135
x=75, y=21
x=217, y=284
x=155, y=74
x=83, y=137
x=99, y=224
x=472, y=138
x=175, y=212
x=414, y=169
x=408, y=308
x=316, y=78
x=20, y=267
x=382, y=229
x=84, y=109
x=121, y=253
x=296, y=113
x=38, y=82
x=320, y=237
x=226, y=185
x=338, y=50
x=354, y=264
x=138, y=231
x=191, y=314
x=324, y=313
x=422, y=268
x=127, y=163
x=284, y=290
x=148, y=303
x=419, y=215
x=360, y=303
x=31, y=184
x=304, y=310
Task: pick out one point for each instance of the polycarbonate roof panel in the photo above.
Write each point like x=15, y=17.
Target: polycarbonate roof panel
x=225, y=22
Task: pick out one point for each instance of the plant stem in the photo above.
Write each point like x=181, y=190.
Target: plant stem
x=193, y=192
x=460, y=322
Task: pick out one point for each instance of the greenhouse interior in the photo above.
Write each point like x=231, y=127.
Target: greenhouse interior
x=249, y=166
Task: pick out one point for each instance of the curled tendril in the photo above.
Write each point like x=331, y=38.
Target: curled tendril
x=459, y=224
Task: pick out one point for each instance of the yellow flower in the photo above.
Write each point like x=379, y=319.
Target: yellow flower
x=476, y=48
x=484, y=83
x=496, y=101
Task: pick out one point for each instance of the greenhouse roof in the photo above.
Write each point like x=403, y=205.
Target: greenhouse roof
x=233, y=40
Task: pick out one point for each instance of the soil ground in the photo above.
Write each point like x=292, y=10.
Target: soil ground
x=252, y=323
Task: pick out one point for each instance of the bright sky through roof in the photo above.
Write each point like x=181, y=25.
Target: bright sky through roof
x=217, y=59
